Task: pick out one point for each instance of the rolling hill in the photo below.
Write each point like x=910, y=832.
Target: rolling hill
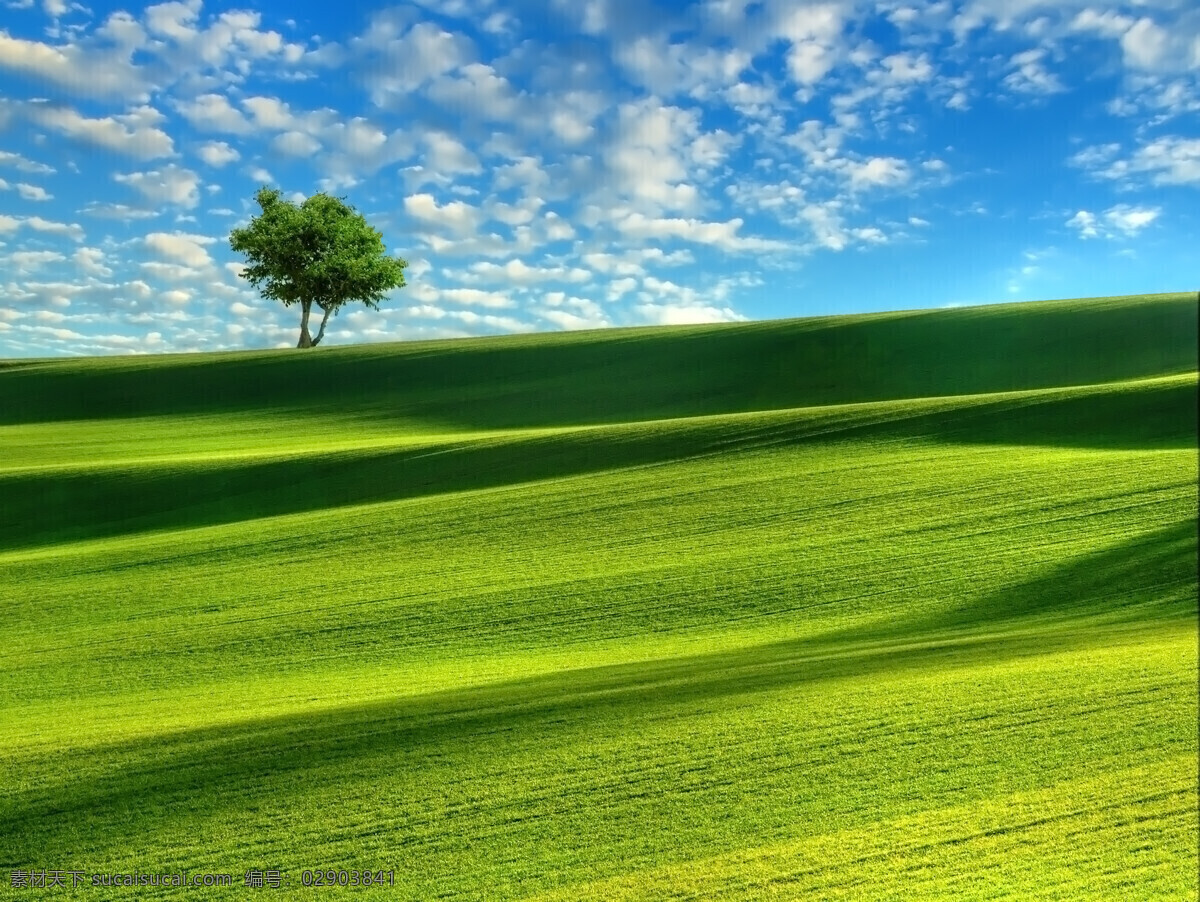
x=890, y=606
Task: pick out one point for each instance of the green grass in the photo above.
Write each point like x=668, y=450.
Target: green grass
x=900, y=606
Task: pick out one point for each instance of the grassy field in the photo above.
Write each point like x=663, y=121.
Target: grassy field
x=894, y=606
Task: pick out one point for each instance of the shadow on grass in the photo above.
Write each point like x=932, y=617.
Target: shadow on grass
x=120, y=791
x=1125, y=418
x=56, y=506
x=1151, y=575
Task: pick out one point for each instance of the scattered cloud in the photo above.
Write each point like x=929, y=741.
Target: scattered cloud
x=171, y=184
x=214, y=113
x=1167, y=160
x=217, y=153
x=879, y=171
x=518, y=273
x=1030, y=75
x=719, y=234
x=135, y=134
x=457, y=216
x=32, y=192
x=476, y=298
x=1119, y=221
x=23, y=164
x=72, y=230
x=397, y=60
x=181, y=247
x=686, y=314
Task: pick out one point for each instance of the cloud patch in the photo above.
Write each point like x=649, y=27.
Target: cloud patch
x=134, y=134
x=171, y=184
x=1120, y=221
x=181, y=247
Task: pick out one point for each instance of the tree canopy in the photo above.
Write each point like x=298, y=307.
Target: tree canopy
x=320, y=252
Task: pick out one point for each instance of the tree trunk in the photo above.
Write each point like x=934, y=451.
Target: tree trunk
x=305, y=339
x=321, y=332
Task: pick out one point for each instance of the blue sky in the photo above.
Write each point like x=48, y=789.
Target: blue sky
x=567, y=164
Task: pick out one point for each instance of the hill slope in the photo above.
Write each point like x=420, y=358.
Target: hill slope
x=898, y=606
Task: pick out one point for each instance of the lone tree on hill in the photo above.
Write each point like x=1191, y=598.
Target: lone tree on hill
x=321, y=252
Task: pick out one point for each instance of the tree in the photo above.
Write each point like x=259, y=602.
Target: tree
x=321, y=252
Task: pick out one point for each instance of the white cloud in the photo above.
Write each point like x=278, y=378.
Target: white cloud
x=182, y=247
x=459, y=217
x=49, y=227
x=1169, y=160
x=571, y=114
x=139, y=289
x=1146, y=44
x=176, y=296
x=480, y=93
x=295, y=144
x=611, y=264
x=447, y=154
x=719, y=234
x=514, y=214
x=173, y=19
x=497, y=23
x=116, y=211
x=646, y=156
x=1130, y=220
x=270, y=113
x=84, y=71
x=475, y=245
x=23, y=164
x=33, y=192
x=1096, y=156
x=814, y=32
x=907, y=67
x=1120, y=220
x=882, y=171
x=27, y=261
x=686, y=314
x=519, y=273
x=670, y=69
x=172, y=184
x=475, y=297
x=1085, y=222
x=91, y=261
x=1030, y=76
x=470, y=317
x=217, y=153
x=233, y=35
x=1108, y=24
x=173, y=272
x=134, y=134
x=584, y=313
x=557, y=228
x=399, y=65
x=618, y=288
x=358, y=148
x=213, y=112
x=825, y=221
